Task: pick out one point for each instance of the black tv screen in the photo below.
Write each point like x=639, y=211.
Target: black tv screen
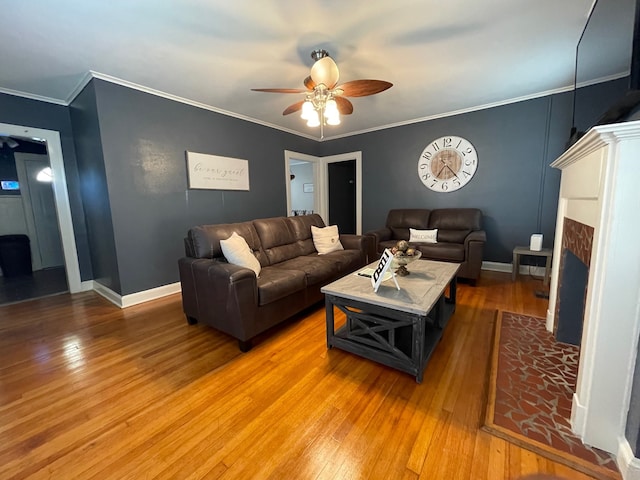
x=607, y=66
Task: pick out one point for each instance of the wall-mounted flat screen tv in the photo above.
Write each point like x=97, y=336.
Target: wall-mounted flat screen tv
x=607, y=54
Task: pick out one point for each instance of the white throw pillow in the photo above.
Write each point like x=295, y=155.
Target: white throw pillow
x=326, y=239
x=237, y=251
x=423, y=236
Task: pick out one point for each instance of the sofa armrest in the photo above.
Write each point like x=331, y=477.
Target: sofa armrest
x=364, y=243
x=380, y=235
x=473, y=251
x=219, y=294
x=475, y=236
x=354, y=242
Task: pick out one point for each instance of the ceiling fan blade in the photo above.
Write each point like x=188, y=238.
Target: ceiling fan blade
x=309, y=83
x=293, y=108
x=325, y=71
x=362, y=88
x=345, y=107
x=279, y=90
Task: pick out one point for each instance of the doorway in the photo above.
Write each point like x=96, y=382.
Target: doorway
x=303, y=186
x=60, y=201
x=321, y=194
x=28, y=212
x=342, y=195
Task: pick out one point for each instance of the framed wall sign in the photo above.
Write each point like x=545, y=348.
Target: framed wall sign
x=307, y=187
x=217, y=173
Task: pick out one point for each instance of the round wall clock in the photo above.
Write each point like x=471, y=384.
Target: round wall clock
x=447, y=164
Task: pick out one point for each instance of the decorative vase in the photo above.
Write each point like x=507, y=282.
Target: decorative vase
x=401, y=260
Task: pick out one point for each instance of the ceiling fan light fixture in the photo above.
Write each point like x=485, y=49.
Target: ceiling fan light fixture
x=324, y=102
x=307, y=110
x=313, y=120
x=331, y=108
x=333, y=120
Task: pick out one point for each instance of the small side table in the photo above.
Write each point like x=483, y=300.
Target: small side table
x=545, y=252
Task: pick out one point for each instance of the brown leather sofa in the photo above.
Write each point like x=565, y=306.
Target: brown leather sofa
x=231, y=299
x=460, y=236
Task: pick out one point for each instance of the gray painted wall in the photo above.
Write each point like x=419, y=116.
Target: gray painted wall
x=132, y=147
x=144, y=139
x=513, y=186
x=509, y=184
x=32, y=113
x=95, y=192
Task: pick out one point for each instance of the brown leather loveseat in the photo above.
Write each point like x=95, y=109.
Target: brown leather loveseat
x=460, y=237
x=231, y=299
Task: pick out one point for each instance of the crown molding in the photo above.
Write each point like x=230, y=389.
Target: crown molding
x=485, y=106
x=458, y=112
x=193, y=103
x=86, y=79
x=33, y=96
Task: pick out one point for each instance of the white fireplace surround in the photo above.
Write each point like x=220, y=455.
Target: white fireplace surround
x=600, y=187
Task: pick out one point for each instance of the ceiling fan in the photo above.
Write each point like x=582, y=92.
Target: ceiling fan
x=324, y=99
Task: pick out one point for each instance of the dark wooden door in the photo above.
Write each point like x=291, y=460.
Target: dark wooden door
x=342, y=195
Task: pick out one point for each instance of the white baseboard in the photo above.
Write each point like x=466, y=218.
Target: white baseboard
x=135, y=298
x=153, y=294
x=163, y=291
x=497, y=267
x=628, y=464
x=508, y=268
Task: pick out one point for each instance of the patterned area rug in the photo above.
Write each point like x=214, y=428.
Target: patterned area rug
x=532, y=382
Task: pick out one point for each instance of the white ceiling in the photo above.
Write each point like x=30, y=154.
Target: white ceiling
x=442, y=57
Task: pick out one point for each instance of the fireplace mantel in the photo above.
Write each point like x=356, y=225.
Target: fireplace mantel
x=600, y=187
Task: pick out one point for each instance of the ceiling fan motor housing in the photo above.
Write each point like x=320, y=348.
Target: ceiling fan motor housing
x=318, y=54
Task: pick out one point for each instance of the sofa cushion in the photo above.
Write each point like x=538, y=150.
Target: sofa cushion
x=237, y=251
x=205, y=239
x=278, y=239
x=447, y=252
x=400, y=220
x=386, y=244
x=454, y=224
x=275, y=283
x=324, y=268
x=453, y=236
x=326, y=239
x=301, y=226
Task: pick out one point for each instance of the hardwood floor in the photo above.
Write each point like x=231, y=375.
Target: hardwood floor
x=89, y=391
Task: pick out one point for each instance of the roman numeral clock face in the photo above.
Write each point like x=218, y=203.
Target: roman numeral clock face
x=447, y=164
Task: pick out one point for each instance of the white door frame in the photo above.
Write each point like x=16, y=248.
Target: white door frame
x=321, y=179
x=54, y=150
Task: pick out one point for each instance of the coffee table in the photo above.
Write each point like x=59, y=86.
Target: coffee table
x=398, y=328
